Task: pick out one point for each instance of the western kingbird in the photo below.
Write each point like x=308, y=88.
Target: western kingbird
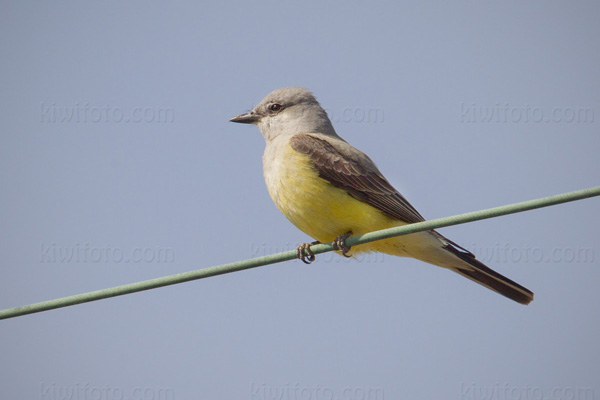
x=331, y=190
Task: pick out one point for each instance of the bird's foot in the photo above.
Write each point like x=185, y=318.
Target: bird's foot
x=340, y=243
x=304, y=254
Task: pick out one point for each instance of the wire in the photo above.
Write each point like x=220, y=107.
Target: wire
x=289, y=255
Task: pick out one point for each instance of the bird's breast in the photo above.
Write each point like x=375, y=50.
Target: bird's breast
x=310, y=202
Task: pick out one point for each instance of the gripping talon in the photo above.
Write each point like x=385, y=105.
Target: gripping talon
x=340, y=243
x=304, y=253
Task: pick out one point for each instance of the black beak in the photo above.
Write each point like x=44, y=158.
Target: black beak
x=247, y=118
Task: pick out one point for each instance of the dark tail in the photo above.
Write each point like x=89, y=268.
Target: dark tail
x=487, y=277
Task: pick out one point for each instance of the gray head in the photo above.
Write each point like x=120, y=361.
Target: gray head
x=288, y=111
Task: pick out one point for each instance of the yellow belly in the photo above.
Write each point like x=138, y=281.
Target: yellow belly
x=320, y=209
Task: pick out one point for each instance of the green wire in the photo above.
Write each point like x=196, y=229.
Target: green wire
x=289, y=255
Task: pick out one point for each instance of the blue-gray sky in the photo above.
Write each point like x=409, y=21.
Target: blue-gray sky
x=118, y=164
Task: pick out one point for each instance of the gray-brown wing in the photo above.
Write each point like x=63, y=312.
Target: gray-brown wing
x=364, y=183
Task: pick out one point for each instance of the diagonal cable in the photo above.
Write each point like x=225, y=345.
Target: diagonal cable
x=289, y=255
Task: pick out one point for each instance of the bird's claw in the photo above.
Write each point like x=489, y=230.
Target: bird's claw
x=305, y=254
x=340, y=243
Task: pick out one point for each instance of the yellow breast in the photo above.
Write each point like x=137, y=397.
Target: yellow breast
x=314, y=205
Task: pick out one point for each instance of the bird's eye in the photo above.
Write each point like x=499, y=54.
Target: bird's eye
x=275, y=107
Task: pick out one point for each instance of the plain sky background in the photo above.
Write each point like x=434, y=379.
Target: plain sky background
x=463, y=106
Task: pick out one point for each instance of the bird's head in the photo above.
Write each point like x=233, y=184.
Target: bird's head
x=288, y=111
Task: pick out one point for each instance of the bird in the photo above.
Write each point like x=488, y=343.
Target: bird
x=330, y=190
